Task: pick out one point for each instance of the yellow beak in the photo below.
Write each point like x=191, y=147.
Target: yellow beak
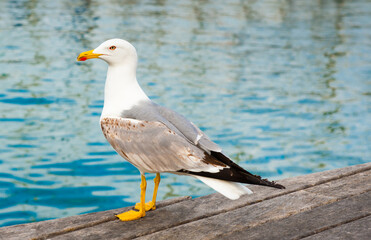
x=87, y=55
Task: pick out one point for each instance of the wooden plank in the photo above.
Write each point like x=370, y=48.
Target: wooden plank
x=44, y=229
x=357, y=230
x=167, y=217
x=188, y=220
x=251, y=216
x=310, y=222
x=347, y=183
x=269, y=210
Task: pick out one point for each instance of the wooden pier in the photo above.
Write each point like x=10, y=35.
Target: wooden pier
x=334, y=204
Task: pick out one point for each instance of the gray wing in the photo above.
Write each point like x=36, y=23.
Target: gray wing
x=176, y=122
x=153, y=147
x=188, y=129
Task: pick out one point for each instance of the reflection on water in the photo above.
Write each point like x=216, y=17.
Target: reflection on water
x=282, y=86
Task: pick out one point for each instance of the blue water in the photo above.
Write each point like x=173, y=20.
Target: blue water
x=282, y=86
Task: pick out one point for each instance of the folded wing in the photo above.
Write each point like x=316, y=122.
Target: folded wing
x=153, y=147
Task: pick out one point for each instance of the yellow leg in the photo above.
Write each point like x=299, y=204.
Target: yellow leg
x=151, y=205
x=133, y=215
x=157, y=183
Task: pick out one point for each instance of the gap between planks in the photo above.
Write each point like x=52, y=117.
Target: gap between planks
x=333, y=226
x=359, y=229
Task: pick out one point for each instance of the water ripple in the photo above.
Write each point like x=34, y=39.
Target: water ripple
x=37, y=101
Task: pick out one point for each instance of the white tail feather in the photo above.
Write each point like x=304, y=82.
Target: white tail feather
x=231, y=190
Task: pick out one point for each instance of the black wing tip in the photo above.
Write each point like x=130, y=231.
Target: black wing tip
x=266, y=182
x=276, y=185
x=251, y=178
x=231, y=171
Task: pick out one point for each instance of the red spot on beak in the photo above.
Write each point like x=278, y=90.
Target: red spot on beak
x=83, y=59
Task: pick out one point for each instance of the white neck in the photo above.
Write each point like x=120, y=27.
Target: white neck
x=121, y=91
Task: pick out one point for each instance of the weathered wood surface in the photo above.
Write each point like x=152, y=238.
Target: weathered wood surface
x=335, y=204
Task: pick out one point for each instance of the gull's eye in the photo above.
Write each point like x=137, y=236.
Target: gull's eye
x=112, y=48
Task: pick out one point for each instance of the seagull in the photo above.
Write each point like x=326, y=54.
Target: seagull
x=156, y=139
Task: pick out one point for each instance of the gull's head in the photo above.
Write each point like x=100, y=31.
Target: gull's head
x=113, y=51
